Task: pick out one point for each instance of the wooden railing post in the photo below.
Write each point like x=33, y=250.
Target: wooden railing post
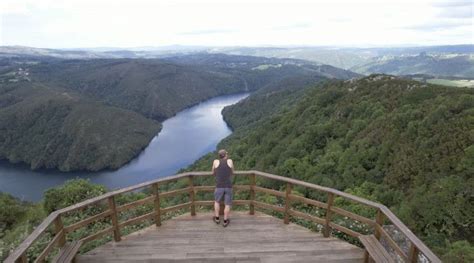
x=327, y=228
x=157, y=204
x=23, y=258
x=379, y=223
x=413, y=254
x=252, y=194
x=191, y=195
x=114, y=218
x=59, y=229
x=417, y=247
x=286, y=220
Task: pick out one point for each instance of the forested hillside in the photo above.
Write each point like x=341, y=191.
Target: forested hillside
x=153, y=88
x=54, y=128
x=405, y=144
x=100, y=113
x=159, y=88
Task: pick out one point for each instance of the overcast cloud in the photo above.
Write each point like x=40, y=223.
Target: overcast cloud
x=132, y=23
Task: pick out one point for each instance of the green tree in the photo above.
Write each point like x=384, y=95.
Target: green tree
x=71, y=192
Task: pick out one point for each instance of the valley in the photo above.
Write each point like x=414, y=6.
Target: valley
x=183, y=139
x=348, y=122
x=66, y=114
x=398, y=140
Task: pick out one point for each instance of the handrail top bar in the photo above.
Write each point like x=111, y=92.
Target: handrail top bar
x=319, y=188
x=407, y=232
x=385, y=210
x=123, y=190
x=18, y=252
x=181, y=175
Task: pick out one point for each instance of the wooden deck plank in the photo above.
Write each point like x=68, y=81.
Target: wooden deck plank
x=248, y=238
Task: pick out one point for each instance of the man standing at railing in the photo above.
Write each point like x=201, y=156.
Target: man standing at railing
x=223, y=169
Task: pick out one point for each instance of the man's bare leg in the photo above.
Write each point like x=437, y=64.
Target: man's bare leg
x=226, y=212
x=216, y=208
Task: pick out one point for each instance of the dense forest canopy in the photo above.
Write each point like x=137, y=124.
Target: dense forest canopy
x=402, y=143
x=96, y=114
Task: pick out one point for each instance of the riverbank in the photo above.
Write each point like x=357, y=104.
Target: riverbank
x=184, y=138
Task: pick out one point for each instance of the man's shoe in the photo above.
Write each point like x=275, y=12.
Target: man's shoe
x=216, y=219
x=226, y=222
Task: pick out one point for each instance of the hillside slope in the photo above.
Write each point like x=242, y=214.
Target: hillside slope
x=402, y=143
x=159, y=88
x=54, y=128
x=96, y=114
x=153, y=88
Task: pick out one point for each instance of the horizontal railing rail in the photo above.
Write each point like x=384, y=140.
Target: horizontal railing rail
x=54, y=220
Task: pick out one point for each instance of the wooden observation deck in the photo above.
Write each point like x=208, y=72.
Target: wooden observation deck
x=118, y=231
x=249, y=238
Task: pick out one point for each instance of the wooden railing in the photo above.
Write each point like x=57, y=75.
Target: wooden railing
x=417, y=248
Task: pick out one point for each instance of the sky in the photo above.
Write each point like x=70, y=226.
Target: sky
x=138, y=23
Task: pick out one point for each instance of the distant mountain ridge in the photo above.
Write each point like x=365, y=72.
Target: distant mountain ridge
x=437, y=65
x=449, y=60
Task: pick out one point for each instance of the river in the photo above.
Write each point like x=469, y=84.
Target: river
x=183, y=139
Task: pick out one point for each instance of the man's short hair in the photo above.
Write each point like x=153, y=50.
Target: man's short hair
x=222, y=153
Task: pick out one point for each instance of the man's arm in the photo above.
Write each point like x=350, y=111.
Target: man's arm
x=213, y=167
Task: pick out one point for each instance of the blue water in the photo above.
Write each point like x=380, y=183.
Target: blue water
x=184, y=138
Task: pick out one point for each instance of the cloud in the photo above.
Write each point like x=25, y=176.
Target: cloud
x=128, y=23
x=13, y=8
x=292, y=26
x=208, y=32
x=439, y=25
x=454, y=9
x=457, y=3
x=455, y=12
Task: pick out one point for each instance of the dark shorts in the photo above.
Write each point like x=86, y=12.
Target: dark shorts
x=223, y=193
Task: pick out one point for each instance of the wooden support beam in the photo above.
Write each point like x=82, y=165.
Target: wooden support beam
x=87, y=221
x=379, y=222
x=58, y=229
x=359, y=218
x=174, y=192
x=157, y=206
x=204, y=188
x=23, y=258
x=191, y=195
x=175, y=207
x=344, y=230
x=42, y=256
x=269, y=207
x=306, y=216
x=252, y=194
x=286, y=219
x=114, y=217
x=413, y=253
x=97, y=235
x=389, y=240
x=134, y=204
x=137, y=219
x=308, y=201
x=327, y=227
x=269, y=191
